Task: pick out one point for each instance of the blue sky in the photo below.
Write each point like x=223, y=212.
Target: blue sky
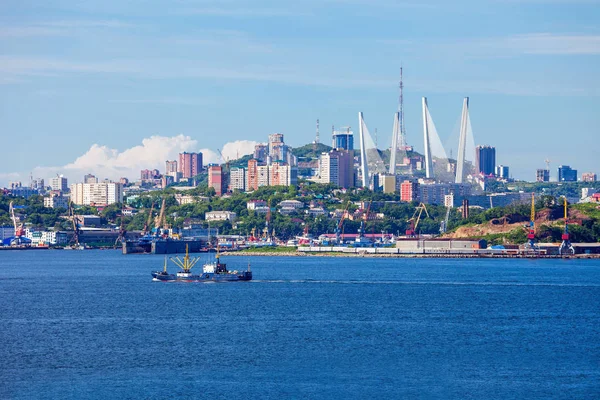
x=201, y=73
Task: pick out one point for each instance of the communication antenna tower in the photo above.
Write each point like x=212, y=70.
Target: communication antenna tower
x=317, y=136
x=402, y=136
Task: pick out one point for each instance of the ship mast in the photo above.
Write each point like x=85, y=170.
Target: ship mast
x=187, y=263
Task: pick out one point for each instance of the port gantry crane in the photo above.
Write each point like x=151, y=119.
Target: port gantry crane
x=19, y=231
x=76, y=226
x=363, y=223
x=159, y=221
x=414, y=222
x=148, y=221
x=444, y=224
x=338, y=231
x=566, y=247
x=122, y=230
x=531, y=235
x=268, y=223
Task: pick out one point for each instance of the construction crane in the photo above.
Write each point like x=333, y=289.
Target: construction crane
x=415, y=219
x=531, y=234
x=148, y=221
x=224, y=159
x=19, y=231
x=566, y=247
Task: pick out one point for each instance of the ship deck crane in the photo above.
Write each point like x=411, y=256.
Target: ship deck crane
x=415, y=219
x=566, y=247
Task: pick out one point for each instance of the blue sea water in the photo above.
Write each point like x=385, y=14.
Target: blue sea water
x=93, y=325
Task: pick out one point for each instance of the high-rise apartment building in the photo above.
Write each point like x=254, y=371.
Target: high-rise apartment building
x=59, y=182
x=542, y=175
x=262, y=173
x=566, y=174
x=170, y=167
x=252, y=175
x=261, y=152
x=237, y=179
x=103, y=193
x=337, y=167
x=89, y=178
x=502, y=171
x=190, y=164
x=588, y=177
x=409, y=191
x=215, y=178
x=282, y=174
x=485, y=159
x=343, y=139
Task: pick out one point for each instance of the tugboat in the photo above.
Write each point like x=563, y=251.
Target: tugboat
x=211, y=271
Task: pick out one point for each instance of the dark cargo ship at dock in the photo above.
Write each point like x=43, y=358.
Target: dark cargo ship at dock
x=163, y=246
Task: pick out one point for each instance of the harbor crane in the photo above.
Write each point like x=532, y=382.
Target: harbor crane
x=415, y=219
x=19, y=231
x=76, y=226
x=566, y=247
x=148, y=221
x=122, y=231
x=531, y=235
x=338, y=230
x=159, y=221
x=444, y=224
x=268, y=223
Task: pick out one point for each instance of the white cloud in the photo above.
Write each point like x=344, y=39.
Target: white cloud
x=152, y=153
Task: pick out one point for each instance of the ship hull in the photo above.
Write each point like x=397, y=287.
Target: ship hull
x=205, y=277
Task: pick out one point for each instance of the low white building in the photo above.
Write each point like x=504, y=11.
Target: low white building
x=254, y=204
x=220, y=216
x=183, y=199
x=54, y=201
x=45, y=237
x=315, y=211
x=296, y=204
x=128, y=211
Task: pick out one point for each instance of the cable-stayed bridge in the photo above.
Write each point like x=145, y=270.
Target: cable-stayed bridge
x=436, y=163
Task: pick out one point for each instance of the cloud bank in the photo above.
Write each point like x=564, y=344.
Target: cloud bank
x=152, y=153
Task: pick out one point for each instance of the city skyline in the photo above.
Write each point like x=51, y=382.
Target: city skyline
x=86, y=84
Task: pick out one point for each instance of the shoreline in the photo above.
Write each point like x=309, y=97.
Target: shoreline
x=406, y=255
